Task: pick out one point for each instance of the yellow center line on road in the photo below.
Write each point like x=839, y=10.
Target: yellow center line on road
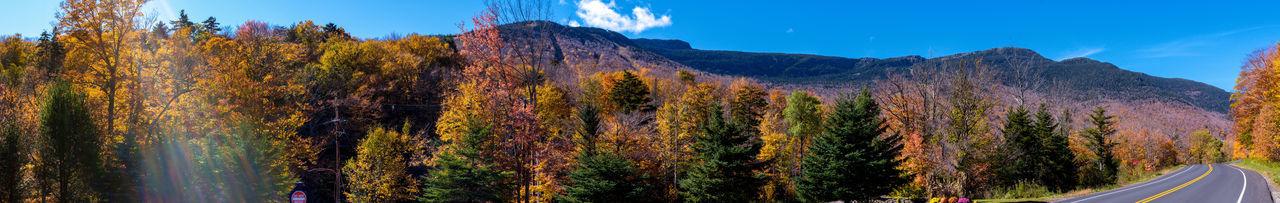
x=1154, y=197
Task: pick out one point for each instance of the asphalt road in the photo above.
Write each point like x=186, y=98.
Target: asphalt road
x=1196, y=183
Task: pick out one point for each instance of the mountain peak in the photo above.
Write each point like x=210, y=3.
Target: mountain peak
x=1014, y=50
x=1079, y=60
x=1005, y=52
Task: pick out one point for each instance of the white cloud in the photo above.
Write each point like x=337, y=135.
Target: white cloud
x=1082, y=52
x=596, y=13
x=574, y=23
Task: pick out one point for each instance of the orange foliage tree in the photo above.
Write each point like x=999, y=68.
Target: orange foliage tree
x=1254, y=105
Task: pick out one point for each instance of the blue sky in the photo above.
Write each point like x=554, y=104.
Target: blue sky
x=1200, y=40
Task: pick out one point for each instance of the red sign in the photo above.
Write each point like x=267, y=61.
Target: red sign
x=298, y=197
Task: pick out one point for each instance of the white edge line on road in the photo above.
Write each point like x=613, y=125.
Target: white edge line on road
x=1245, y=186
x=1170, y=176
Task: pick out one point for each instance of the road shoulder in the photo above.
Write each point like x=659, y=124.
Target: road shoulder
x=1261, y=168
x=1105, y=190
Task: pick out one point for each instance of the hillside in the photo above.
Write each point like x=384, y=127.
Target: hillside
x=608, y=48
x=1085, y=78
x=1078, y=84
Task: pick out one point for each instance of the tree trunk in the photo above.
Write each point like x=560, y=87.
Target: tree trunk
x=111, y=102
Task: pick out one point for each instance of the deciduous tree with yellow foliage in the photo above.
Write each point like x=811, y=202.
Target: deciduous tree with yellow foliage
x=379, y=172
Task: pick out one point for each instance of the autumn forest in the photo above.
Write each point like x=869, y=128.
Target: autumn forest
x=111, y=105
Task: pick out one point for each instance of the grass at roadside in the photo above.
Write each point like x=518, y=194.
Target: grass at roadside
x=1269, y=169
x=1047, y=197
x=1146, y=176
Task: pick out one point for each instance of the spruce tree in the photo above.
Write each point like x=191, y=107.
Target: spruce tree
x=727, y=169
x=1099, y=136
x=13, y=156
x=182, y=22
x=1060, y=170
x=50, y=54
x=853, y=159
x=1039, y=151
x=463, y=174
x=160, y=30
x=600, y=176
x=70, y=155
x=211, y=25
x=1022, y=147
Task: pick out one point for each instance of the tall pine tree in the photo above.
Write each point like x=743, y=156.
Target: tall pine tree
x=50, y=54
x=182, y=22
x=1099, y=137
x=1060, y=170
x=727, y=169
x=852, y=159
x=13, y=156
x=463, y=173
x=211, y=25
x=70, y=155
x=1039, y=152
x=1022, y=147
x=600, y=176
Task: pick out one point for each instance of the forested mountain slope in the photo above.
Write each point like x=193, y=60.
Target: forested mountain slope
x=1084, y=78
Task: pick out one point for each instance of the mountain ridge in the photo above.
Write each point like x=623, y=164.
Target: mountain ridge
x=1086, y=79
x=1092, y=77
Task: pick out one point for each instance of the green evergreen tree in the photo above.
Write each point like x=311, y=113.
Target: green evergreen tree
x=1039, y=151
x=212, y=26
x=50, y=54
x=70, y=155
x=629, y=93
x=727, y=169
x=1022, y=147
x=1060, y=168
x=161, y=30
x=182, y=22
x=463, y=174
x=333, y=32
x=1099, y=137
x=852, y=159
x=600, y=176
x=13, y=155
x=254, y=159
